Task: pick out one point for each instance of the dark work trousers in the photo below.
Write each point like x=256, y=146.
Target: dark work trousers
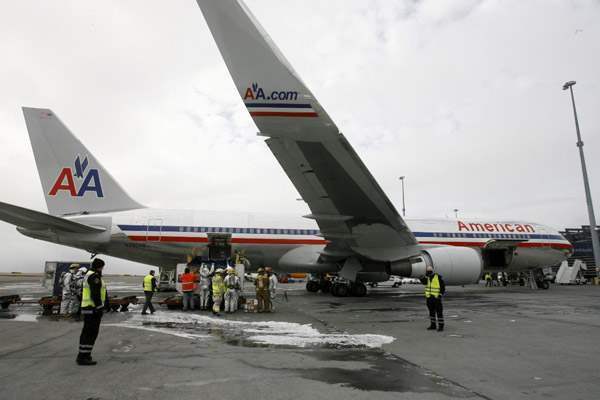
x=89, y=333
x=148, y=303
x=435, y=307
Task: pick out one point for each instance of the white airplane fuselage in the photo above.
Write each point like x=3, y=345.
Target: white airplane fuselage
x=165, y=238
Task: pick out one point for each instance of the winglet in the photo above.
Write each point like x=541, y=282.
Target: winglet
x=276, y=97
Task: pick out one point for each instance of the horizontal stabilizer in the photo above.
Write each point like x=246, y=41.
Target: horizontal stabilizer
x=37, y=221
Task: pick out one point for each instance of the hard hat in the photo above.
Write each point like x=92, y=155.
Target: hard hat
x=73, y=266
x=219, y=270
x=269, y=269
x=261, y=270
x=83, y=269
x=231, y=271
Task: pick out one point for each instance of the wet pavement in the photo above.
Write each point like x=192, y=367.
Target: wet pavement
x=501, y=342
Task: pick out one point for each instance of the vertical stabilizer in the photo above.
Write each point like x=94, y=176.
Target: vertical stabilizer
x=72, y=179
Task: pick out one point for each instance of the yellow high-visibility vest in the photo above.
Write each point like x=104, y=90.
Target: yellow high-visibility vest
x=433, y=287
x=86, y=293
x=218, y=286
x=148, y=283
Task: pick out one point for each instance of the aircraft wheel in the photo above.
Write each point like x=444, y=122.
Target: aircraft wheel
x=545, y=285
x=333, y=289
x=312, y=286
x=396, y=285
x=359, y=289
x=342, y=290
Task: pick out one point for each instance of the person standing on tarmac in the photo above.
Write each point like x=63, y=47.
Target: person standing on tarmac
x=434, y=289
x=272, y=286
x=94, y=299
x=69, y=295
x=81, y=272
x=261, y=283
x=187, y=287
x=218, y=289
x=488, y=280
x=204, y=290
x=149, y=289
x=232, y=285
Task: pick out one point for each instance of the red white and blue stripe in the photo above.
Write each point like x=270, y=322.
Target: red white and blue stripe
x=281, y=110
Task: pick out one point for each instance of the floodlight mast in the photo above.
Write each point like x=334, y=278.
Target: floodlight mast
x=586, y=184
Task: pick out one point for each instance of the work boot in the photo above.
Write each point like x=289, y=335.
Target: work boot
x=85, y=360
x=431, y=327
x=441, y=328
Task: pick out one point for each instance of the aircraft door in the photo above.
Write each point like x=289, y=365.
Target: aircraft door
x=219, y=247
x=544, y=239
x=153, y=233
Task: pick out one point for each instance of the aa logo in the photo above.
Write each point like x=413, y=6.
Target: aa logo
x=65, y=181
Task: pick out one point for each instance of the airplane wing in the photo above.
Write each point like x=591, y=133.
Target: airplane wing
x=351, y=209
x=36, y=221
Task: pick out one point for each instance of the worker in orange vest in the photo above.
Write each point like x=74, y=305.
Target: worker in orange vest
x=187, y=287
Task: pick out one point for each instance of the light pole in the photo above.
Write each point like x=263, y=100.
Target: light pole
x=586, y=184
x=403, y=209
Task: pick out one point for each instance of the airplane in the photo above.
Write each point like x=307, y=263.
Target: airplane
x=352, y=231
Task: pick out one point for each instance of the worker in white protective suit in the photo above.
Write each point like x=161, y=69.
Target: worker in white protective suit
x=75, y=310
x=204, y=286
x=69, y=291
x=272, y=285
x=232, y=286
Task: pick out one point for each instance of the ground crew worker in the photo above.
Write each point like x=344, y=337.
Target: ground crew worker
x=272, y=286
x=94, y=299
x=149, y=289
x=232, y=285
x=187, y=287
x=218, y=289
x=204, y=288
x=261, y=283
x=68, y=304
x=488, y=280
x=81, y=272
x=434, y=290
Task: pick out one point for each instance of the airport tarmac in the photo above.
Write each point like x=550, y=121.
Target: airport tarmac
x=499, y=343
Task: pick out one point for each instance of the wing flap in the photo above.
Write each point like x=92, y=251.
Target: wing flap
x=37, y=221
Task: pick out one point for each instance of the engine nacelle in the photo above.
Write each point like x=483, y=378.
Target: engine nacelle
x=458, y=265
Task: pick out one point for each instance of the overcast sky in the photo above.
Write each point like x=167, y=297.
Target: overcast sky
x=462, y=97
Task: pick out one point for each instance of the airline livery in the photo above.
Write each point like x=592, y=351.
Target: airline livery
x=353, y=230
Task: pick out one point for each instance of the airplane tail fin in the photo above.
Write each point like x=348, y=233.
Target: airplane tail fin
x=73, y=181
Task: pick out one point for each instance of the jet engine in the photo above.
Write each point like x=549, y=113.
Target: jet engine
x=458, y=265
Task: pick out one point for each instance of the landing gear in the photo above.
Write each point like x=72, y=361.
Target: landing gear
x=359, y=289
x=312, y=286
x=340, y=289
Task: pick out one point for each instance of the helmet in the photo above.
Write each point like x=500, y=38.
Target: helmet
x=231, y=271
x=83, y=269
x=219, y=271
x=261, y=270
x=73, y=266
x=269, y=270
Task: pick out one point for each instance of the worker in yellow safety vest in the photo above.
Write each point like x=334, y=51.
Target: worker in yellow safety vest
x=218, y=288
x=93, y=301
x=149, y=289
x=434, y=289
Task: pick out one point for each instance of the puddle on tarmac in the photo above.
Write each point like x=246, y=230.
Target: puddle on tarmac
x=386, y=372
x=361, y=367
